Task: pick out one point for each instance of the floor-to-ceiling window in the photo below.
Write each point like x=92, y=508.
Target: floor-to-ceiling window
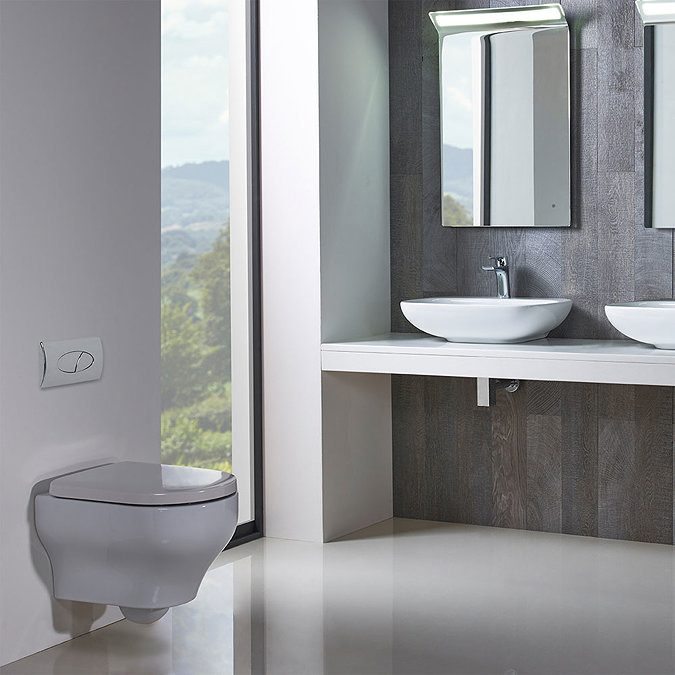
x=208, y=332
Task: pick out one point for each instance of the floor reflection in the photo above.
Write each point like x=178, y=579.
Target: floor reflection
x=203, y=634
x=405, y=598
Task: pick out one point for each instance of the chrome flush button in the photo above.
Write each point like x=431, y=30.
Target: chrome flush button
x=75, y=362
x=70, y=361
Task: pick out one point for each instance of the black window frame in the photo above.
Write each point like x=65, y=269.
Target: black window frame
x=253, y=529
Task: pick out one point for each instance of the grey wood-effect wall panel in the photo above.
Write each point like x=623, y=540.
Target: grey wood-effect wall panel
x=636, y=442
x=616, y=461
x=544, y=398
x=509, y=460
x=405, y=89
x=616, y=243
x=474, y=455
x=582, y=16
x=616, y=105
x=653, y=255
x=406, y=238
x=654, y=461
x=541, y=273
x=579, y=458
x=579, y=248
x=440, y=467
x=585, y=459
x=544, y=473
x=544, y=459
x=639, y=93
x=409, y=434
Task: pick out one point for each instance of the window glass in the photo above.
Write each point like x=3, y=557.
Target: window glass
x=206, y=240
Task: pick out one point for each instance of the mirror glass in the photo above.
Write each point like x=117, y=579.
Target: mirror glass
x=659, y=48
x=505, y=121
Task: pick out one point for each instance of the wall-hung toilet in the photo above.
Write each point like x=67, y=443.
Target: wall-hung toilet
x=133, y=534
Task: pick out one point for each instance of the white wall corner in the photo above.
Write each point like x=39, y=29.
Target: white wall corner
x=355, y=257
x=325, y=257
x=291, y=309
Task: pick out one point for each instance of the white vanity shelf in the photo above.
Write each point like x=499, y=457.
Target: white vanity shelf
x=564, y=360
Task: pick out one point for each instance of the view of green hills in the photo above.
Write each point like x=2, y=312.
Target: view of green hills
x=195, y=332
x=195, y=204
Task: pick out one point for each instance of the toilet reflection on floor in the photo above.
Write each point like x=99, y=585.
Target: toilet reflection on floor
x=203, y=633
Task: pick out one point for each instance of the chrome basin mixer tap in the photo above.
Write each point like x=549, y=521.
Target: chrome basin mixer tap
x=501, y=269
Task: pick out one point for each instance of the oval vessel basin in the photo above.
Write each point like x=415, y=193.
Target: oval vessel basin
x=650, y=321
x=487, y=320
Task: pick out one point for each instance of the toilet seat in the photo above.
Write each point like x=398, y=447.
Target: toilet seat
x=145, y=484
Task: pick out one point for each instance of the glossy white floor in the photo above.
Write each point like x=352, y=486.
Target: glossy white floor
x=405, y=597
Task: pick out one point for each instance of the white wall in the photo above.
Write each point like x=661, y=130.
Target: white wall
x=79, y=256
x=325, y=258
x=290, y=268
x=355, y=253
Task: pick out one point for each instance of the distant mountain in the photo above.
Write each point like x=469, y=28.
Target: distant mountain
x=195, y=207
x=217, y=173
x=180, y=243
x=458, y=162
x=458, y=174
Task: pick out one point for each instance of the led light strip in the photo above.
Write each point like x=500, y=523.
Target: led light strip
x=654, y=11
x=542, y=14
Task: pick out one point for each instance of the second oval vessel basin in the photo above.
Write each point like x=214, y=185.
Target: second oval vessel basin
x=650, y=321
x=487, y=320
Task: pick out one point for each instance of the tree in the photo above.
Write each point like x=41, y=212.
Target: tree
x=454, y=214
x=212, y=275
x=181, y=356
x=196, y=388
x=186, y=444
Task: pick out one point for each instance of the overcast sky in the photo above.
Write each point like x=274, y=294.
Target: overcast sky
x=457, y=117
x=195, y=120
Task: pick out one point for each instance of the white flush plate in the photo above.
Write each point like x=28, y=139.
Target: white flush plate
x=70, y=361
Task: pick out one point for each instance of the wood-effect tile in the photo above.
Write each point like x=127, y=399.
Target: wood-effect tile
x=406, y=245
x=582, y=18
x=409, y=434
x=473, y=483
x=579, y=458
x=509, y=460
x=585, y=459
x=544, y=473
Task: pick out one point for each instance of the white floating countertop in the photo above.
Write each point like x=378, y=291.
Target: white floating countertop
x=565, y=360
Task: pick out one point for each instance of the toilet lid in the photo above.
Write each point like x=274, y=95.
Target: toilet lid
x=145, y=484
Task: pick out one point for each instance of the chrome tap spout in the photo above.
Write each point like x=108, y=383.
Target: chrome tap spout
x=501, y=269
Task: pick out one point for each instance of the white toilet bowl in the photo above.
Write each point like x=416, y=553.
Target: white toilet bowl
x=137, y=535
